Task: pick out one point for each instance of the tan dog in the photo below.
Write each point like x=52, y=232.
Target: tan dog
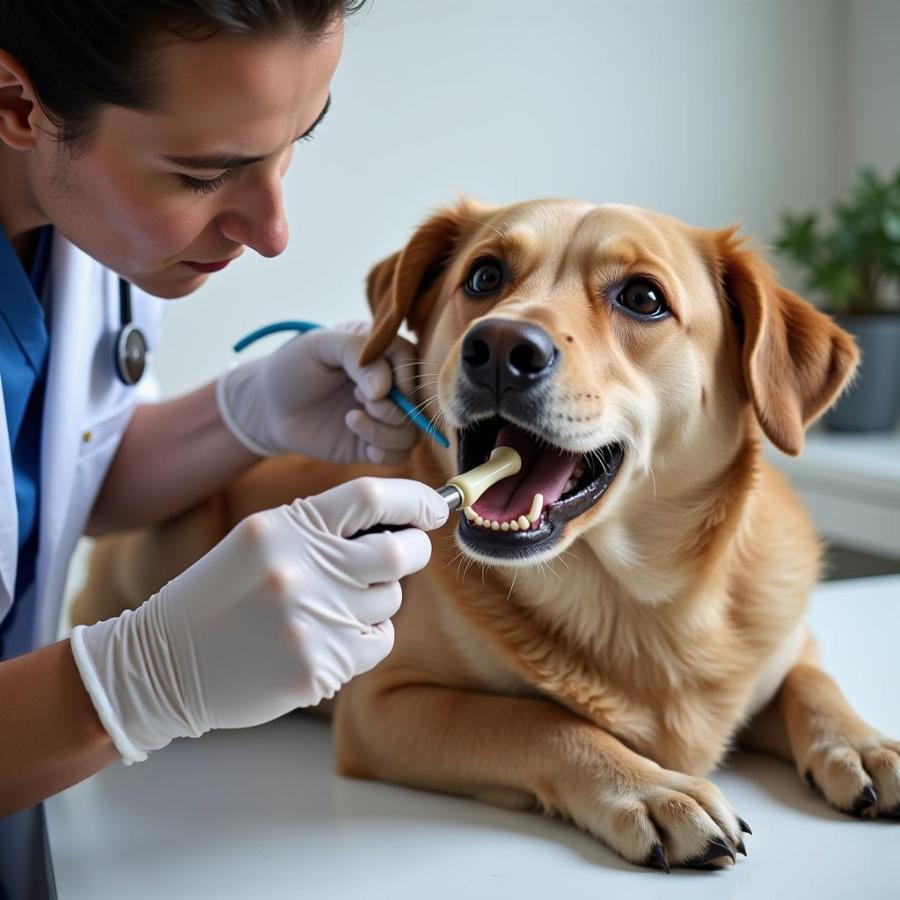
x=614, y=642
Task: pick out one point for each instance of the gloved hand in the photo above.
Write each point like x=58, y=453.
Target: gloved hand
x=311, y=396
x=278, y=615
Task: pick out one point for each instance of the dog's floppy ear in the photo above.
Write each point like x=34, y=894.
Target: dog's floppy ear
x=405, y=285
x=794, y=360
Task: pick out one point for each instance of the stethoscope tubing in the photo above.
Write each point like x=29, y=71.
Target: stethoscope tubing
x=131, y=350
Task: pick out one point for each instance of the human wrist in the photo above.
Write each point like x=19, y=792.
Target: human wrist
x=238, y=401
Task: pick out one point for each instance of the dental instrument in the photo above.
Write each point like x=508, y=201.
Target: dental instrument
x=464, y=489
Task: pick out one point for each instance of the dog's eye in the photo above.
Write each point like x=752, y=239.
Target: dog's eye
x=643, y=298
x=486, y=277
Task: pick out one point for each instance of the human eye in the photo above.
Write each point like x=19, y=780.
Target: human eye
x=204, y=185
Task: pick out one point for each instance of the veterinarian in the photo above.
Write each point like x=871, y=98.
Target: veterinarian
x=142, y=147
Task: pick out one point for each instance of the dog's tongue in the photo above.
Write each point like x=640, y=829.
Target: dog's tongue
x=545, y=470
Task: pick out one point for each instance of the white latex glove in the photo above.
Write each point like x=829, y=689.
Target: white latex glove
x=311, y=396
x=278, y=615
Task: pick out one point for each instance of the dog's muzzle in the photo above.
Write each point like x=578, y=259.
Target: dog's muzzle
x=506, y=392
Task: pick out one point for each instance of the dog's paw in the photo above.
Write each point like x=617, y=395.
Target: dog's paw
x=859, y=776
x=669, y=819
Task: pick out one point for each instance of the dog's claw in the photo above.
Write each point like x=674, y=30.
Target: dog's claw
x=867, y=797
x=740, y=847
x=715, y=849
x=657, y=858
x=808, y=775
x=744, y=826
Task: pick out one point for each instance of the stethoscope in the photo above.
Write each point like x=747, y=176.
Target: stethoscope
x=132, y=352
x=131, y=349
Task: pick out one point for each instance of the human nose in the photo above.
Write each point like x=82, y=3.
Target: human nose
x=257, y=217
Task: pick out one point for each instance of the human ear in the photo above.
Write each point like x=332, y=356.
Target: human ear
x=18, y=105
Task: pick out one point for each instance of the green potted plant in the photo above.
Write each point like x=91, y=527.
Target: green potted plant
x=853, y=263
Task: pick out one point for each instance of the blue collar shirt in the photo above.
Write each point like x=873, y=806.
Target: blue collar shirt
x=24, y=349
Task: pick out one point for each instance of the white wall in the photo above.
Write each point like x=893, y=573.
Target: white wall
x=871, y=131
x=711, y=110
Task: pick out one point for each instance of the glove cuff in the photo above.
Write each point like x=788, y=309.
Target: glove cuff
x=234, y=373
x=108, y=718
x=131, y=674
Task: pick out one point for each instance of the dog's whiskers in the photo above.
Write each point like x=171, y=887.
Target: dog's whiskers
x=417, y=379
x=456, y=559
x=515, y=575
x=439, y=417
x=419, y=364
x=421, y=407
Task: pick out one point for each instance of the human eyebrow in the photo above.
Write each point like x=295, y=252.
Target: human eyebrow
x=216, y=161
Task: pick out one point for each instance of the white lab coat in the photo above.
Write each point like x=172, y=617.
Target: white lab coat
x=86, y=410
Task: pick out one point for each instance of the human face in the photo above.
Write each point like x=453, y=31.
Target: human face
x=142, y=201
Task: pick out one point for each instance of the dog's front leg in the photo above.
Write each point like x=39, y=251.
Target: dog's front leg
x=523, y=753
x=810, y=723
x=855, y=766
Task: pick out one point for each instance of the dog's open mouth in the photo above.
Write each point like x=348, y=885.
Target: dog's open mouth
x=524, y=513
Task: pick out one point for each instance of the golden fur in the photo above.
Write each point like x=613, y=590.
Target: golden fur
x=602, y=678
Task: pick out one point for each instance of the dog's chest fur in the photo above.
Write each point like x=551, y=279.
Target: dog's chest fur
x=668, y=692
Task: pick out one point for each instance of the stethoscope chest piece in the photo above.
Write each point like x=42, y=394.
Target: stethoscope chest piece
x=131, y=349
x=131, y=353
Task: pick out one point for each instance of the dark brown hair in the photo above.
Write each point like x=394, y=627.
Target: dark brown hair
x=82, y=55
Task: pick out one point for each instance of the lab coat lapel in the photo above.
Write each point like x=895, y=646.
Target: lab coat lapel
x=77, y=313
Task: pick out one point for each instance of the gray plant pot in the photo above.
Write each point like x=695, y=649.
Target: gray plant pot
x=872, y=402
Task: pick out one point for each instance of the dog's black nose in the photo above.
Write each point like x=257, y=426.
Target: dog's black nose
x=504, y=354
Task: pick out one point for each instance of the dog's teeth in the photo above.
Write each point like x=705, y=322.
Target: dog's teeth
x=522, y=523
x=570, y=484
x=579, y=470
x=534, y=513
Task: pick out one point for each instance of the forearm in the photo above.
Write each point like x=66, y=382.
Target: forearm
x=51, y=737
x=172, y=455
